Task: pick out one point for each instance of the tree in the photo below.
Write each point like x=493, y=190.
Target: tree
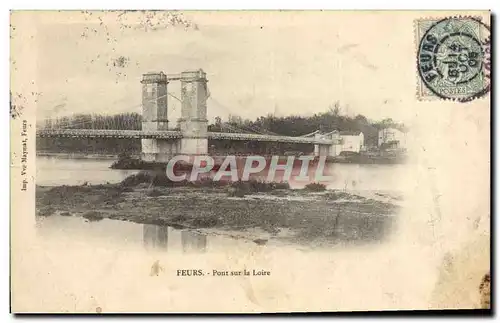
x=334, y=109
x=361, y=119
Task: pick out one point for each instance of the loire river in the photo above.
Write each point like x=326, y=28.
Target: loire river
x=53, y=171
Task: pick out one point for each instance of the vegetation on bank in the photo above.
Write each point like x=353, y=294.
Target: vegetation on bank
x=126, y=162
x=315, y=187
x=234, y=189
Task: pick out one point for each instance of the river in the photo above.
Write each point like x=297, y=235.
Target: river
x=53, y=171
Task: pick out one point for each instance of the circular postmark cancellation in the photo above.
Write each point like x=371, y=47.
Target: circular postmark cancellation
x=454, y=59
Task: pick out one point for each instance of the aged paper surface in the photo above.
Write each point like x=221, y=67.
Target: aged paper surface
x=394, y=105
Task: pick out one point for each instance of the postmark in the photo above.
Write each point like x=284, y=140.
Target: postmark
x=453, y=58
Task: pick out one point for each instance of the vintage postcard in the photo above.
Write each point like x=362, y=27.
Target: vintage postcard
x=249, y=161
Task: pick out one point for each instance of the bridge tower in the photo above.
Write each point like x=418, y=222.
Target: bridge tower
x=154, y=117
x=193, y=121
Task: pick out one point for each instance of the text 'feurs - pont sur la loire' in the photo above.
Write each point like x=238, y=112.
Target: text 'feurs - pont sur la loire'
x=244, y=272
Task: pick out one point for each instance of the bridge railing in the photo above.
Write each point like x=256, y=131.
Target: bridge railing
x=255, y=137
x=170, y=134
x=106, y=133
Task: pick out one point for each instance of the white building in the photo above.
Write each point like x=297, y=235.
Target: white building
x=332, y=150
x=352, y=141
x=391, y=138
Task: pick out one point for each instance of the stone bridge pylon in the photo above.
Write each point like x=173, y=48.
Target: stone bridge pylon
x=193, y=122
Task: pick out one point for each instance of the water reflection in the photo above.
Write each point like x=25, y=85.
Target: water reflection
x=193, y=241
x=122, y=234
x=157, y=237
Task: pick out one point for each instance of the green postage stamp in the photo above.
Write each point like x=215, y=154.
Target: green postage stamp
x=453, y=58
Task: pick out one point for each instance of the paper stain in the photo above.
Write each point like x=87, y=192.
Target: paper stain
x=17, y=102
x=156, y=268
x=462, y=282
x=249, y=292
x=485, y=291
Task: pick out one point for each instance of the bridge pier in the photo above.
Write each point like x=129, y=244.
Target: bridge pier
x=193, y=121
x=155, y=117
x=159, y=150
x=323, y=150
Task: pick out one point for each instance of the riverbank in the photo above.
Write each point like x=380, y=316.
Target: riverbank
x=134, y=162
x=139, y=164
x=76, y=155
x=297, y=216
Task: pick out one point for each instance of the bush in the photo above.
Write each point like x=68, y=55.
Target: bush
x=159, y=178
x=254, y=186
x=315, y=187
x=241, y=188
x=155, y=178
x=282, y=186
x=204, y=182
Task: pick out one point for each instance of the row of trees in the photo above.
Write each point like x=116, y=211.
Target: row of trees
x=327, y=121
x=125, y=121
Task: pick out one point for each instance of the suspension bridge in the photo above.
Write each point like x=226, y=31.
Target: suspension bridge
x=160, y=144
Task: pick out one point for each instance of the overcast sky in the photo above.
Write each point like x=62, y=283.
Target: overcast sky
x=283, y=63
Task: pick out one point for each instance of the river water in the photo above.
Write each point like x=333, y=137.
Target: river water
x=53, y=171
x=132, y=235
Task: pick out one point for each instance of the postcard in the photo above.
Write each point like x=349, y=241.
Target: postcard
x=249, y=161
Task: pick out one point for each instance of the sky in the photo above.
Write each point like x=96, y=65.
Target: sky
x=257, y=63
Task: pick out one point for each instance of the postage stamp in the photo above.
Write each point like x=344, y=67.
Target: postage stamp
x=453, y=58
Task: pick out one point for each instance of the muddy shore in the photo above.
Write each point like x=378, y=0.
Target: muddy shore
x=298, y=216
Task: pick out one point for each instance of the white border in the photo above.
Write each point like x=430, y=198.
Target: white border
x=185, y=4
x=256, y=4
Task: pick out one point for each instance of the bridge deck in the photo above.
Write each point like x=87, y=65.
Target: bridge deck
x=170, y=134
x=101, y=133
